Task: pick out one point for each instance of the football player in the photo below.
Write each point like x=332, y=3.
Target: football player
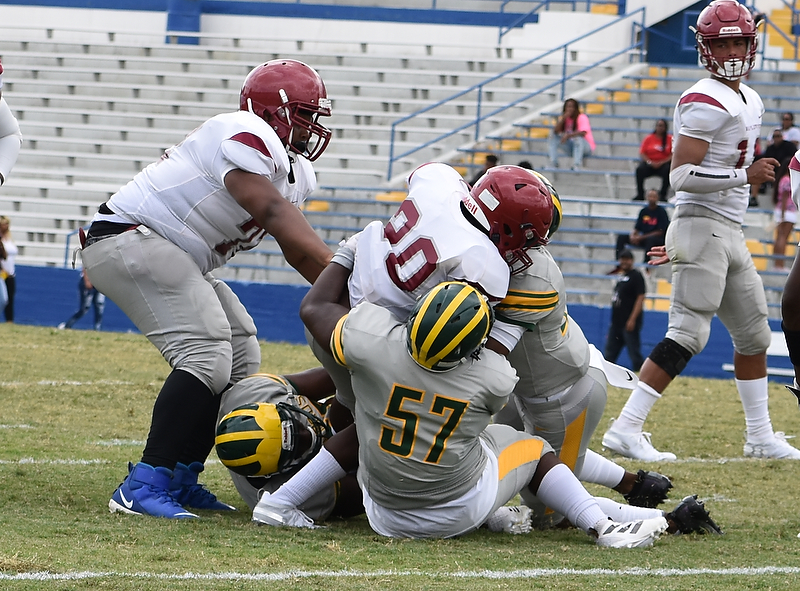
x=10, y=136
x=430, y=463
x=152, y=246
x=561, y=393
x=270, y=426
x=790, y=300
x=717, y=123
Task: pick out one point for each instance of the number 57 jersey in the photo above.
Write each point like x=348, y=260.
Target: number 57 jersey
x=427, y=241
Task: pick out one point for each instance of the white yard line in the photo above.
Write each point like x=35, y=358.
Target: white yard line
x=486, y=574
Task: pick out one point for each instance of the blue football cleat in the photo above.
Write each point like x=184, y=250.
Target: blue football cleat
x=146, y=492
x=187, y=492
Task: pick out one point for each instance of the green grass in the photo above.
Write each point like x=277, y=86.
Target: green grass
x=76, y=396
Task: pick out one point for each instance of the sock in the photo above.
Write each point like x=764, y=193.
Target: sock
x=623, y=513
x=178, y=419
x=755, y=401
x=199, y=446
x=321, y=472
x=564, y=493
x=634, y=413
x=600, y=470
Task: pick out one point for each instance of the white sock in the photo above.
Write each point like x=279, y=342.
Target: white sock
x=623, y=513
x=755, y=401
x=600, y=470
x=635, y=411
x=564, y=493
x=321, y=472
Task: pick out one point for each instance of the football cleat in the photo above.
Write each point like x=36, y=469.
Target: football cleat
x=511, y=520
x=189, y=493
x=649, y=490
x=639, y=533
x=268, y=512
x=777, y=449
x=691, y=517
x=794, y=390
x=634, y=445
x=146, y=492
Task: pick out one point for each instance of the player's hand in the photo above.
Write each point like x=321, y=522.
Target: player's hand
x=658, y=256
x=762, y=171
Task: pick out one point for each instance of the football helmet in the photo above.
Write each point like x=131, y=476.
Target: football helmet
x=447, y=324
x=557, y=211
x=262, y=439
x=289, y=95
x=726, y=19
x=515, y=209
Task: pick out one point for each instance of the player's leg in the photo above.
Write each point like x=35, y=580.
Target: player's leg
x=161, y=290
x=790, y=316
x=698, y=247
x=744, y=313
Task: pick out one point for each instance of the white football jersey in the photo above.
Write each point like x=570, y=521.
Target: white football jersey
x=794, y=174
x=10, y=139
x=183, y=198
x=731, y=123
x=427, y=241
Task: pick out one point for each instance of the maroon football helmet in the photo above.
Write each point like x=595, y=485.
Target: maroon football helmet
x=514, y=207
x=288, y=94
x=725, y=19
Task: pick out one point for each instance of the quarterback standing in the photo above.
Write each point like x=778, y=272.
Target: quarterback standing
x=152, y=246
x=717, y=123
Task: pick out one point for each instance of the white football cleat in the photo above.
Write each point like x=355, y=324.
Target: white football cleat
x=511, y=520
x=634, y=445
x=640, y=533
x=777, y=449
x=268, y=512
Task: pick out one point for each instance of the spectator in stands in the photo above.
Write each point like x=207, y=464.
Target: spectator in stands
x=791, y=133
x=572, y=135
x=88, y=297
x=525, y=164
x=8, y=253
x=656, y=155
x=650, y=228
x=10, y=136
x=785, y=214
x=780, y=149
x=490, y=162
x=627, y=305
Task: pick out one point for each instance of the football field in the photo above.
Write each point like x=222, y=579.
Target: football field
x=75, y=408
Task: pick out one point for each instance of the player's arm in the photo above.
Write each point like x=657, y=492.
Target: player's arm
x=688, y=173
x=303, y=249
x=322, y=307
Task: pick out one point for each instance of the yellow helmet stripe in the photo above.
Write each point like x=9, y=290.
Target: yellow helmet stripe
x=462, y=295
x=415, y=352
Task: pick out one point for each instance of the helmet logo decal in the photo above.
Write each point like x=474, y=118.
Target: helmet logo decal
x=473, y=207
x=284, y=98
x=488, y=199
x=325, y=103
x=730, y=31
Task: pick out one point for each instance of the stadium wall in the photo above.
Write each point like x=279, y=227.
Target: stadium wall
x=47, y=296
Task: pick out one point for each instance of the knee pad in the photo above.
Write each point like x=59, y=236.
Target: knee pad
x=670, y=356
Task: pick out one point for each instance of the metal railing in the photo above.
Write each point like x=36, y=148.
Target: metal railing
x=636, y=47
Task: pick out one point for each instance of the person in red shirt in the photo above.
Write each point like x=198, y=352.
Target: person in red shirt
x=656, y=154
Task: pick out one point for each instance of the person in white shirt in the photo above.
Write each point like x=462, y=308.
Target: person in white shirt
x=152, y=246
x=717, y=124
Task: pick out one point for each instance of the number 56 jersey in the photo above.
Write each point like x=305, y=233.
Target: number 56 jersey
x=427, y=241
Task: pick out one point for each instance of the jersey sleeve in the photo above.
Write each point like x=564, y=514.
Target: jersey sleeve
x=526, y=308
x=249, y=152
x=701, y=116
x=794, y=173
x=337, y=342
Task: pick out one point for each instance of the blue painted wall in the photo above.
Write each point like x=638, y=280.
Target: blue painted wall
x=48, y=296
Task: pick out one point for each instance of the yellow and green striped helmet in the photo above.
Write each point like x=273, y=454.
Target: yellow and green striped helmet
x=447, y=324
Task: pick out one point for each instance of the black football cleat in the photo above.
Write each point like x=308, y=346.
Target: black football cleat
x=691, y=517
x=650, y=490
x=794, y=390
